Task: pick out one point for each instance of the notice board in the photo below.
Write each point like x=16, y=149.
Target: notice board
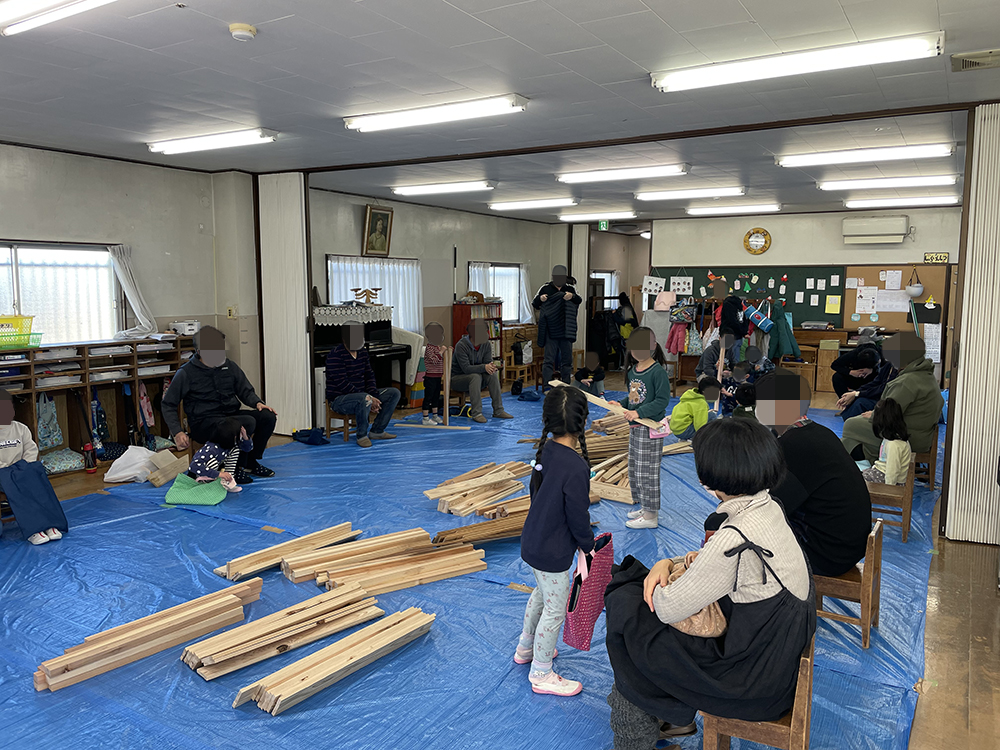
x=933, y=277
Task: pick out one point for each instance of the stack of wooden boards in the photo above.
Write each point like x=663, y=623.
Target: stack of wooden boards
x=479, y=488
x=384, y=563
x=282, y=631
x=306, y=677
x=599, y=447
x=610, y=424
x=506, y=527
x=506, y=507
x=132, y=641
x=272, y=556
x=609, y=479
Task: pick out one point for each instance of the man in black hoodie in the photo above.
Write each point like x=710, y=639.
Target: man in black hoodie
x=557, y=302
x=212, y=388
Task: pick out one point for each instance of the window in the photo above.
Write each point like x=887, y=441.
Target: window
x=71, y=292
x=610, y=279
x=398, y=280
x=509, y=282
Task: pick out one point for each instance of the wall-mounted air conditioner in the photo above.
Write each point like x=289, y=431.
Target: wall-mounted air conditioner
x=876, y=230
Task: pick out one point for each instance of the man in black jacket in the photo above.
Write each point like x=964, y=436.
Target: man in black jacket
x=212, y=388
x=860, y=377
x=824, y=495
x=557, y=302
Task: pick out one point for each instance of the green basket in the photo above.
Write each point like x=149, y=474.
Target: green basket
x=20, y=340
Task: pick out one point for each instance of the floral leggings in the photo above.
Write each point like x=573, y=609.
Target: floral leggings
x=544, y=615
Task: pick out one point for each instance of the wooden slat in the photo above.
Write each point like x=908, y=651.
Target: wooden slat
x=272, y=556
x=470, y=484
x=160, y=477
x=612, y=492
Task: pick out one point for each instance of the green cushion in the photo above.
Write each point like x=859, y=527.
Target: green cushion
x=188, y=491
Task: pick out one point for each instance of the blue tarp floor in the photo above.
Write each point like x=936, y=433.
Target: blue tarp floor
x=128, y=555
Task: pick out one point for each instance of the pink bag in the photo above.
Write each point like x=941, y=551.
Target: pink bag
x=586, y=602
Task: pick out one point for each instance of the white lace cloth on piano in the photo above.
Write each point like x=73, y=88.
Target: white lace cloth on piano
x=337, y=315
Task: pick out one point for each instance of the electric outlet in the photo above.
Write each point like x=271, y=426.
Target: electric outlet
x=230, y=312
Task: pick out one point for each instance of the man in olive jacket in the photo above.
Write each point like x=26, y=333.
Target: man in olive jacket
x=916, y=391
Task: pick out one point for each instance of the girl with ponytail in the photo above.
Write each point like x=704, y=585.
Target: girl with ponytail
x=557, y=525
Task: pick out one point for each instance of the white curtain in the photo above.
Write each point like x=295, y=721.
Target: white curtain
x=398, y=279
x=509, y=282
x=612, y=291
x=121, y=255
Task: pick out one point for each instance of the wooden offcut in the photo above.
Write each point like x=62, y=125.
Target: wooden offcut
x=303, y=566
x=501, y=528
x=479, y=489
x=124, y=644
x=270, y=557
x=406, y=570
x=170, y=471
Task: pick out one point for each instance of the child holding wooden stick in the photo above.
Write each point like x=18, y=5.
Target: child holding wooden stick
x=648, y=395
x=558, y=524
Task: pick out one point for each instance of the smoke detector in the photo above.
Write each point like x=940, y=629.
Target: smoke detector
x=242, y=32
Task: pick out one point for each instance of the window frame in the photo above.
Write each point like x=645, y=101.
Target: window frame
x=118, y=301
x=609, y=303
x=516, y=320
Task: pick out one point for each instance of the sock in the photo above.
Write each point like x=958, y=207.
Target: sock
x=526, y=642
x=650, y=515
x=539, y=670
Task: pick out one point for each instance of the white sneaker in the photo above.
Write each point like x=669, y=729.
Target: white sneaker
x=437, y=419
x=38, y=538
x=642, y=523
x=635, y=513
x=428, y=422
x=53, y=533
x=553, y=684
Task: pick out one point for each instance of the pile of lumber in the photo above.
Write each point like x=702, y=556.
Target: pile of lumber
x=272, y=556
x=611, y=423
x=303, y=566
x=506, y=507
x=405, y=570
x=610, y=479
x=135, y=640
x=283, y=631
x=480, y=488
x=306, y=677
x=507, y=527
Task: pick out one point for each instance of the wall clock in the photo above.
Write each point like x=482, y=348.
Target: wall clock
x=757, y=241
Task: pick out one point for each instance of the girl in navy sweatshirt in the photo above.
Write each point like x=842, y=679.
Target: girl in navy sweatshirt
x=557, y=525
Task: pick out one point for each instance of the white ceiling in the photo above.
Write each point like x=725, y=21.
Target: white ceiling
x=716, y=161
x=110, y=80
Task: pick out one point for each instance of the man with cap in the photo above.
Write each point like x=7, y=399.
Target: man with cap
x=557, y=302
x=212, y=388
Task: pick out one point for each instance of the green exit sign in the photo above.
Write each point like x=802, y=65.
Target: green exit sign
x=602, y=225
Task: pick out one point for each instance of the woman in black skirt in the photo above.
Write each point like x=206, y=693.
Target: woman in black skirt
x=753, y=567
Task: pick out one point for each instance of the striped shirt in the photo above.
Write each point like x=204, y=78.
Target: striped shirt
x=434, y=360
x=346, y=374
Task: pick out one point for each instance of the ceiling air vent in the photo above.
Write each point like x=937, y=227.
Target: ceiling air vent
x=987, y=58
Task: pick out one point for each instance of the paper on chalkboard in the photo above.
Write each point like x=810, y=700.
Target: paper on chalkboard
x=800, y=297
x=835, y=280
x=781, y=289
x=820, y=285
x=810, y=283
x=814, y=300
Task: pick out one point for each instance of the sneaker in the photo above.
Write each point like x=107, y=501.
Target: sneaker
x=53, y=533
x=668, y=731
x=364, y=442
x=526, y=657
x=381, y=436
x=633, y=514
x=552, y=684
x=428, y=422
x=481, y=418
x=242, y=476
x=258, y=470
x=437, y=419
x=38, y=538
x=502, y=415
x=642, y=523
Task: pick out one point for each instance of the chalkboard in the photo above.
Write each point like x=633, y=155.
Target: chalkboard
x=761, y=289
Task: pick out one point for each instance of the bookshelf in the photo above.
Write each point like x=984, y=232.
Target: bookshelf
x=462, y=313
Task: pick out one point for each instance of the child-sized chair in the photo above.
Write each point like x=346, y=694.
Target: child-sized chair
x=861, y=584
x=790, y=732
x=348, y=422
x=895, y=500
x=928, y=459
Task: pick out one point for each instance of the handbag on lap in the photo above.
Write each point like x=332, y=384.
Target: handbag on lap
x=709, y=622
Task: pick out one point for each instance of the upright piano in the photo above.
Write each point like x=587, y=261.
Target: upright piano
x=378, y=340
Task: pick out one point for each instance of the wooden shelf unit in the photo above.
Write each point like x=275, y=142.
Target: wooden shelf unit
x=75, y=424
x=462, y=313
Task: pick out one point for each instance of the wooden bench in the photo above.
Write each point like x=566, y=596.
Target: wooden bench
x=895, y=500
x=790, y=732
x=928, y=459
x=861, y=584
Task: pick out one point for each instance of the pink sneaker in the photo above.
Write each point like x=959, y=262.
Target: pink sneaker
x=553, y=684
x=526, y=657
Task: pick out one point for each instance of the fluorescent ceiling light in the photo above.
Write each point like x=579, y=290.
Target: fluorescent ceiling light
x=497, y=105
x=444, y=187
x=34, y=13
x=942, y=200
x=799, y=63
x=675, y=195
x=598, y=217
x=631, y=173
x=889, y=182
x=862, y=155
x=762, y=208
x=646, y=235
x=544, y=203
x=210, y=142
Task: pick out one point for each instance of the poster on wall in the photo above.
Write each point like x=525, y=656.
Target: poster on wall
x=679, y=284
x=932, y=341
x=892, y=300
x=866, y=299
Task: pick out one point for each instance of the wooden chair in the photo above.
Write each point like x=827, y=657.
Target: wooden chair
x=512, y=371
x=790, y=732
x=348, y=420
x=895, y=500
x=928, y=459
x=860, y=584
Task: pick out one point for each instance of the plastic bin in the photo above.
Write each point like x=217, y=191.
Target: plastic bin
x=20, y=340
x=15, y=324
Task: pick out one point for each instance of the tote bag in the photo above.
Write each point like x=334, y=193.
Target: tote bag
x=586, y=602
x=49, y=432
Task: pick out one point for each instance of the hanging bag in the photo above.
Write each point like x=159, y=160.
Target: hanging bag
x=758, y=318
x=49, y=432
x=683, y=311
x=586, y=601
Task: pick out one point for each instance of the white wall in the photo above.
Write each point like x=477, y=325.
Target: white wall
x=800, y=239
x=627, y=254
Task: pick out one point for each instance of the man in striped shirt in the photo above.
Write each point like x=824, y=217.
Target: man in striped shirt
x=351, y=389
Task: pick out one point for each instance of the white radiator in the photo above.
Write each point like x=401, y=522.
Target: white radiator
x=973, y=493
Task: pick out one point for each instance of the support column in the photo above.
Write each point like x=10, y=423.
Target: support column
x=580, y=269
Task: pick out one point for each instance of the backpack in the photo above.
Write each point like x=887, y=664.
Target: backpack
x=516, y=387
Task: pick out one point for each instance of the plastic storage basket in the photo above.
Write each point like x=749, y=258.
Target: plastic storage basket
x=15, y=324
x=20, y=340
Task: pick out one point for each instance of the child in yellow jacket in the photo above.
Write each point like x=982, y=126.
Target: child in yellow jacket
x=691, y=413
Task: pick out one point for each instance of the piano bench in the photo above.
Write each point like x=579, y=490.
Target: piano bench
x=348, y=421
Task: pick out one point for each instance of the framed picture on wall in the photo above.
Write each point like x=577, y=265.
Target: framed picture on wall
x=378, y=231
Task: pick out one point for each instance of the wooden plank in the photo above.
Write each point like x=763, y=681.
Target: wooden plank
x=401, y=562
x=431, y=426
x=271, y=556
x=471, y=484
x=446, y=386
x=160, y=477
x=612, y=406
x=421, y=576
x=472, y=474
x=302, y=566
x=612, y=492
